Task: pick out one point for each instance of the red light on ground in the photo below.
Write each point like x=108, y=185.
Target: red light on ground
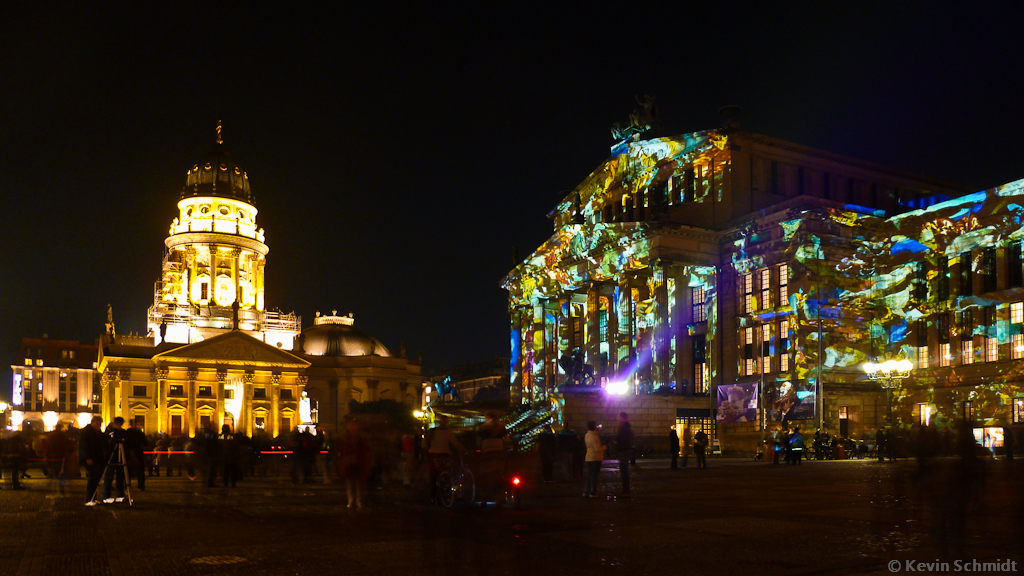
x=516, y=481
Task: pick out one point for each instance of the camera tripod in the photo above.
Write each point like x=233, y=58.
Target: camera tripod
x=117, y=460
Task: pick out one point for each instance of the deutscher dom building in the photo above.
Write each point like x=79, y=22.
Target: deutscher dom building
x=215, y=354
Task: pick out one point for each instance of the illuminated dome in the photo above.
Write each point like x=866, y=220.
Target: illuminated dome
x=335, y=336
x=217, y=174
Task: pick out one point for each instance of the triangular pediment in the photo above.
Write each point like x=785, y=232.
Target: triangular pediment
x=233, y=348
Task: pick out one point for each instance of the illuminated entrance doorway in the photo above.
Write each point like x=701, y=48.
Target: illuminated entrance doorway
x=689, y=421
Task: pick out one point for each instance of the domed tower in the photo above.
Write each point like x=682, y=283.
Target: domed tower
x=215, y=259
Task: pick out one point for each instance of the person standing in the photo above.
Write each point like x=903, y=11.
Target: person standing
x=91, y=454
x=547, y=446
x=134, y=451
x=687, y=444
x=624, y=448
x=114, y=442
x=796, y=445
x=439, y=442
x=593, y=459
x=673, y=447
x=700, y=442
x=229, y=456
x=880, y=444
x=57, y=447
x=211, y=444
x=355, y=463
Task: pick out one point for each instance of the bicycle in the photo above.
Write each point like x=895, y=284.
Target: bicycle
x=455, y=483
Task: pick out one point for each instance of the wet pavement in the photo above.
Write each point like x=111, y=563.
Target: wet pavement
x=847, y=517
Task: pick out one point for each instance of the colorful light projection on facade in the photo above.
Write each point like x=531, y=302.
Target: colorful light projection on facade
x=593, y=284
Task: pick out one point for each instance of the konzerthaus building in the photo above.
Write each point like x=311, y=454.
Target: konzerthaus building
x=726, y=280
x=215, y=353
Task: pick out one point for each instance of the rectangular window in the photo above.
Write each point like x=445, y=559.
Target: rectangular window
x=944, y=354
x=1017, y=346
x=204, y=421
x=748, y=351
x=700, y=295
x=990, y=269
x=28, y=361
x=204, y=291
x=286, y=394
x=259, y=393
x=700, y=366
x=260, y=422
x=229, y=394
x=844, y=412
x=924, y=412
x=286, y=424
x=138, y=390
x=784, y=346
x=966, y=275
x=1018, y=410
x=28, y=374
x=783, y=284
x=205, y=391
x=1017, y=313
x=766, y=286
x=967, y=352
x=176, y=390
x=967, y=411
x=966, y=323
x=176, y=425
x=140, y=422
x=747, y=285
x=942, y=321
x=991, y=349
x=766, y=341
x=942, y=282
x=921, y=281
x=922, y=356
x=1015, y=271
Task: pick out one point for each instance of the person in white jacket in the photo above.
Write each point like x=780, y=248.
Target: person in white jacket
x=595, y=454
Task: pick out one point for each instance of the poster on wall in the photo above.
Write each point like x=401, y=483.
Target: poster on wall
x=792, y=401
x=737, y=403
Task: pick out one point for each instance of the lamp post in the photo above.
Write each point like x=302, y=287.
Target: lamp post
x=890, y=374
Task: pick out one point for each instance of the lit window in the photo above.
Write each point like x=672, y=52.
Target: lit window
x=765, y=289
x=924, y=414
x=967, y=352
x=844, y=412
x=176, y=390
x=747, y=283
x=784, y=346
x=1017, y=313
x=700, y=295
x=1017, y=346
x=1018, y=410
x=991, y=349
x=28, y=361
x=700, y=378
x=922, y=356
x=229, y=394
x=39, y=362
x=28, y=374
x=783, y=284
x=944, y=355
x=748, y=351
x=766, y=338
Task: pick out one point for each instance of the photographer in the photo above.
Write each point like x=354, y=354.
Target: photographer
x=115, y=441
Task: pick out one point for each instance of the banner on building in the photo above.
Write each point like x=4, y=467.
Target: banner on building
x=737, y=403
x=791, y=401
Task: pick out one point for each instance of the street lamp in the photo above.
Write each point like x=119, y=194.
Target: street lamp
x=890, y=374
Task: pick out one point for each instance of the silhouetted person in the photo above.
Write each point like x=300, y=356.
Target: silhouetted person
x=700, y=443
x=547, y=446
x=624, y=448
x=92, y=454
x=134, y=451
x=211, y=446
x=673, y=447
x=115, y=442
x=228, y=456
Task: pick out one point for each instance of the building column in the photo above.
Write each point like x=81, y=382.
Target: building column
x=260, y=265
x=660, y=335
x=537, y=345
x=613, y=332
x=592, y=339
x=160, y=376
x=246, y=410
x=682, y=315
x=626, y=354
x=236, y=254
x=192, y=272
x=222, y=376
x=275, y=415
x=190, y=419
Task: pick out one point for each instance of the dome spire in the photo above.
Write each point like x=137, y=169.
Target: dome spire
x=219, y=139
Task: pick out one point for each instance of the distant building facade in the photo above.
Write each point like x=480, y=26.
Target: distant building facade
x=214, y=353
x=730, y=281
x=54, y=381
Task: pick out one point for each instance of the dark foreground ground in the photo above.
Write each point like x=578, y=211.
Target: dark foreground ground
x=737, y=517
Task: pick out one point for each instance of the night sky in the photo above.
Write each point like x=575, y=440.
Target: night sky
x=399, y=152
